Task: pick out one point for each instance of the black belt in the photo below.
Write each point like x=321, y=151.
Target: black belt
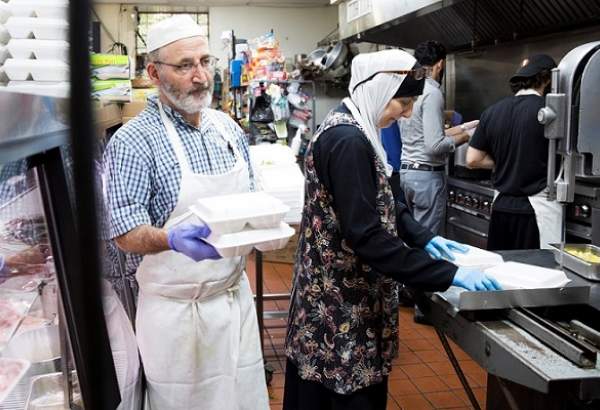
x=423, y=167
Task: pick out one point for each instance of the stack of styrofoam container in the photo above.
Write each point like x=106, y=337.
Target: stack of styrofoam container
x=240, y=222
x=33, y=47
x=278, y=174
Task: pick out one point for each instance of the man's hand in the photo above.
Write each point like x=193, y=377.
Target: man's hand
x=475, y=280
x=189, y=240
x=442, y=248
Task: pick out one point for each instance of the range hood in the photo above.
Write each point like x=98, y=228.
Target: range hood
x=460, y=24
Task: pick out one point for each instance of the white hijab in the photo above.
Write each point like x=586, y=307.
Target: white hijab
x=370, y=98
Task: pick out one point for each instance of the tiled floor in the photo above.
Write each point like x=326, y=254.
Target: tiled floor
x=422, y=378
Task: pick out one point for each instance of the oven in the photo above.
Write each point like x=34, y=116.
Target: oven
x=468, y=211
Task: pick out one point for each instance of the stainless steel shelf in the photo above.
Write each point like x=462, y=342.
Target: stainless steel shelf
x=31, y=124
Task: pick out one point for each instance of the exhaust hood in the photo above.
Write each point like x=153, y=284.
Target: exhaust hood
x=460, y=24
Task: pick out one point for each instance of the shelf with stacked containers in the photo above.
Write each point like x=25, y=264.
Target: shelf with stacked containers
x=34, y=47
x=55, y=336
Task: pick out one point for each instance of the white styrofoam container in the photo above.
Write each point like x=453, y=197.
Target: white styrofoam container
x=3, y=54
x=4, y=34
x=477, y=258
x=241, y=243
x=39, y=8
x=4, y=12
x=44, y=88
x=514, y=275
x=230, y=213
x=41, y=49
x=39, y=28
x=38, y=70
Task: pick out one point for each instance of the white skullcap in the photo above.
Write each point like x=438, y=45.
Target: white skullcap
x=171, y=29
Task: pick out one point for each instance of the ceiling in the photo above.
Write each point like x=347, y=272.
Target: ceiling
x=255, y=3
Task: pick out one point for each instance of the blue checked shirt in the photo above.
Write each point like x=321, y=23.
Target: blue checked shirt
x=142, y=175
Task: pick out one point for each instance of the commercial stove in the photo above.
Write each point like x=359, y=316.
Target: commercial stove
x=468, y=211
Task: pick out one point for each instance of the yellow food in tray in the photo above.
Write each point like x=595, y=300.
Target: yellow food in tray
x=587, y=255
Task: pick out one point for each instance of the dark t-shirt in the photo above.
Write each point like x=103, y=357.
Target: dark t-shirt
x=511, y=134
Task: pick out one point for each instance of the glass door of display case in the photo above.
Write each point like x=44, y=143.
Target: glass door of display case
x=65, y=340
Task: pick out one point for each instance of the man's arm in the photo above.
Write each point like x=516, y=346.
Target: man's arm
x=144, y=240
x=477, y=158
x=436, y=140
x=457, y=133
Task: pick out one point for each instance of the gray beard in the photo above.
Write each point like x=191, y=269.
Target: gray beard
x=188, y=104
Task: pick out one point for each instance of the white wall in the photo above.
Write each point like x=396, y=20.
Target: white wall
x=297, y=29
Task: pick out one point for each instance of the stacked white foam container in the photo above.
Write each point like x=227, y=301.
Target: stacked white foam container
x=278, y=174
x=34, y=52
x=241, y=222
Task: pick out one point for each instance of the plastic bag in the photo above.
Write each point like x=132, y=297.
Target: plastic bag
x=261, y=111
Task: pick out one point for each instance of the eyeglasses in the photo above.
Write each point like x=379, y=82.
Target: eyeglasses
x=208, y=63
x=416, y=73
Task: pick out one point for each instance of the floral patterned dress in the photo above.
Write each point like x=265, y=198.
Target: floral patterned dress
x=343, y=322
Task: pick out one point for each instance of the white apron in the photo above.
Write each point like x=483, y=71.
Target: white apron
x=196, y=323
x=548, y=216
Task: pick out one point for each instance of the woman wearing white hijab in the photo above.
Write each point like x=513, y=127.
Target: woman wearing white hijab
x=355, y=246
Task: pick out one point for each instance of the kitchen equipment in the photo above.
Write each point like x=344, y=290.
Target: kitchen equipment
x=40, y=49
x=316, y=59
x=589, y=269
x=47, y=392
x=40, y=28
x=336, y=56
x=468, y=211
x=38, y=70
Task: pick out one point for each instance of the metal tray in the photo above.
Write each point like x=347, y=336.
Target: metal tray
x=459, y=299
x=588, y=270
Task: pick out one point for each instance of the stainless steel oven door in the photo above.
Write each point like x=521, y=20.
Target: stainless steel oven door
x=466, y=228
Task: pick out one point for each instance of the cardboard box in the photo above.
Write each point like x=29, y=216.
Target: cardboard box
x=132, y=109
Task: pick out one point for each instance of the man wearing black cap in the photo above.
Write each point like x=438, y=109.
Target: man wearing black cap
x=511, y=140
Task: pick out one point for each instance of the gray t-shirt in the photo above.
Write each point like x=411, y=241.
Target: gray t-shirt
x=423, y=138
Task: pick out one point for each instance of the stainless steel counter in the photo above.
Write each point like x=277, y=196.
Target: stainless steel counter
x=511, y=353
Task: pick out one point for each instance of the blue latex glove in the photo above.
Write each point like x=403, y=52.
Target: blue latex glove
x=189, y=240
x=1, y=262
x=442, y=248
x=475, y=280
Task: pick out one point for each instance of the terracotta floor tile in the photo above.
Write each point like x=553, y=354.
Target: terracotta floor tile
x=413, y=402
x=417, y=370
x=463, y=396
x=419, y=344
x=429, y=384
x=278, y=380
x=444, y=400
x=276, y=395
x=452, y=381
x=441, y=368
x=392, y=404
x=276, y=406
x=406, y=358
x=397, y=374
x=431, y=356
x=481, y=394
x=407, y=335
x=401, y=387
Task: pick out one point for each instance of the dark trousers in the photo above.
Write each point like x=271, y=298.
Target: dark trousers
x=511, y=231
x=308, y=395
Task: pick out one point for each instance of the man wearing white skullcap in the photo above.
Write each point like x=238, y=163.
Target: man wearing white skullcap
x=196, y=322
x=356, y=245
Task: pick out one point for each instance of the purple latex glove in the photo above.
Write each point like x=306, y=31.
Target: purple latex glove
x=442, y=248
x=475, y=280
x=189, y=240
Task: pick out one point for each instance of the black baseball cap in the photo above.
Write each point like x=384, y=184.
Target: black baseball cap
x=534, y=65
